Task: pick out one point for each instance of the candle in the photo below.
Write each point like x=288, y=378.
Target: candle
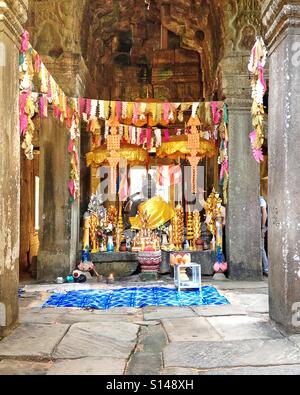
x=110, y=279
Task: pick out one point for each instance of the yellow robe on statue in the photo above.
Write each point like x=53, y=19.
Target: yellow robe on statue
x=159, y=212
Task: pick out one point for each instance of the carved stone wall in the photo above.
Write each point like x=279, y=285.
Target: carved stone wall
x=12, y=16
x=55, y=31
x=243, y=24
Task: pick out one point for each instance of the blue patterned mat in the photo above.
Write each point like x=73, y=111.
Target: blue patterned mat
x=136, y=297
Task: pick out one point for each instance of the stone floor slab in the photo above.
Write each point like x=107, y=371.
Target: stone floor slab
x=252, y=302
x=88, y=366
x=147, y=323
x=74, y=318
x=208, y=355
x=152, y=339
x=235, y=285
x=285, y=370
x=243, y=328
x=219, y=310
x=145, y=363
x=98, y=340
x=295, y=339
x=158, y=313
x=40, y=318
x=33, y=340
x=190, y=329
x=23, y=368
x=178, y=372
x=120, y=310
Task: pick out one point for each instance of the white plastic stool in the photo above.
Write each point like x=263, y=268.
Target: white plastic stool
x=194, y=282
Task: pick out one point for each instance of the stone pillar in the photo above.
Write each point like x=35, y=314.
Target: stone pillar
x=243, y=211
x=283, y=39
x=60, y=219
x=58, y=216
x=12, y=17
x=60, y=49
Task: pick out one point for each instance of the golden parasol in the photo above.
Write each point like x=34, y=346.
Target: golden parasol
x=132, y=153
x=177, y=147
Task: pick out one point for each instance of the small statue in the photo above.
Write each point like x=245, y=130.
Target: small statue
x=94, y=223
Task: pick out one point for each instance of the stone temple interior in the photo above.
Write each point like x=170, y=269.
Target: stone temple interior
x=132, y=49
x=124, y=50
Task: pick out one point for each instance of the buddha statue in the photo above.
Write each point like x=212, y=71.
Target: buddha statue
x=158, y=211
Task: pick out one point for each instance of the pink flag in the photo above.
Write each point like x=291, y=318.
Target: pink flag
x=56, y=111
x=118, y=110
x=166, y=108
x=149, y=139
x=71, y=146
x=37, y=63
x=23, y=116
x=142, y=136
x=72, y=188
x=166, y=137
x=88, y=107
x=25, y=41
x=42, y=105
x=82, y=103
x=224, y=168
x=216, y=114
x=135, y=113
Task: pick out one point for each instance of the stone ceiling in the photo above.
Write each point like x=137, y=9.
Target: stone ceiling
x=198, y=23
x=111, y=33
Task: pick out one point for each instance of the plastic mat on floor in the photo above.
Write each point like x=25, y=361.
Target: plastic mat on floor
x=136, y=297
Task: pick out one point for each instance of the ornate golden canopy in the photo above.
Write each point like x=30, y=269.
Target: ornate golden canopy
x=177, y=147
x=132, y=153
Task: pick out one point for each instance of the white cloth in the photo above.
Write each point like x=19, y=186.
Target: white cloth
x=262, y=202
x=101, y=109
x=94, y=104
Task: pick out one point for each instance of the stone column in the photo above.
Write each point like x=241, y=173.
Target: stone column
x=283, y=38
x=12, y=17
x=60, y=219
x=61, y=53
x=243, y=211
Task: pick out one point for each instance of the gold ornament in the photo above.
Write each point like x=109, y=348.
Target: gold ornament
x=213, y=210
x=120, y=229
x=196, y=226
x=190, y=230
x=146, y=238
x=94, y=223
x=177, y=147
x=111, y=216
x=132, y=153
x=178, y=227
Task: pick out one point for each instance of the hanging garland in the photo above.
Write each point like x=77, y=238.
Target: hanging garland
x=256, y=66
x=128, y=117
x=26, y=104
x=49, y=93
x=223, y=154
